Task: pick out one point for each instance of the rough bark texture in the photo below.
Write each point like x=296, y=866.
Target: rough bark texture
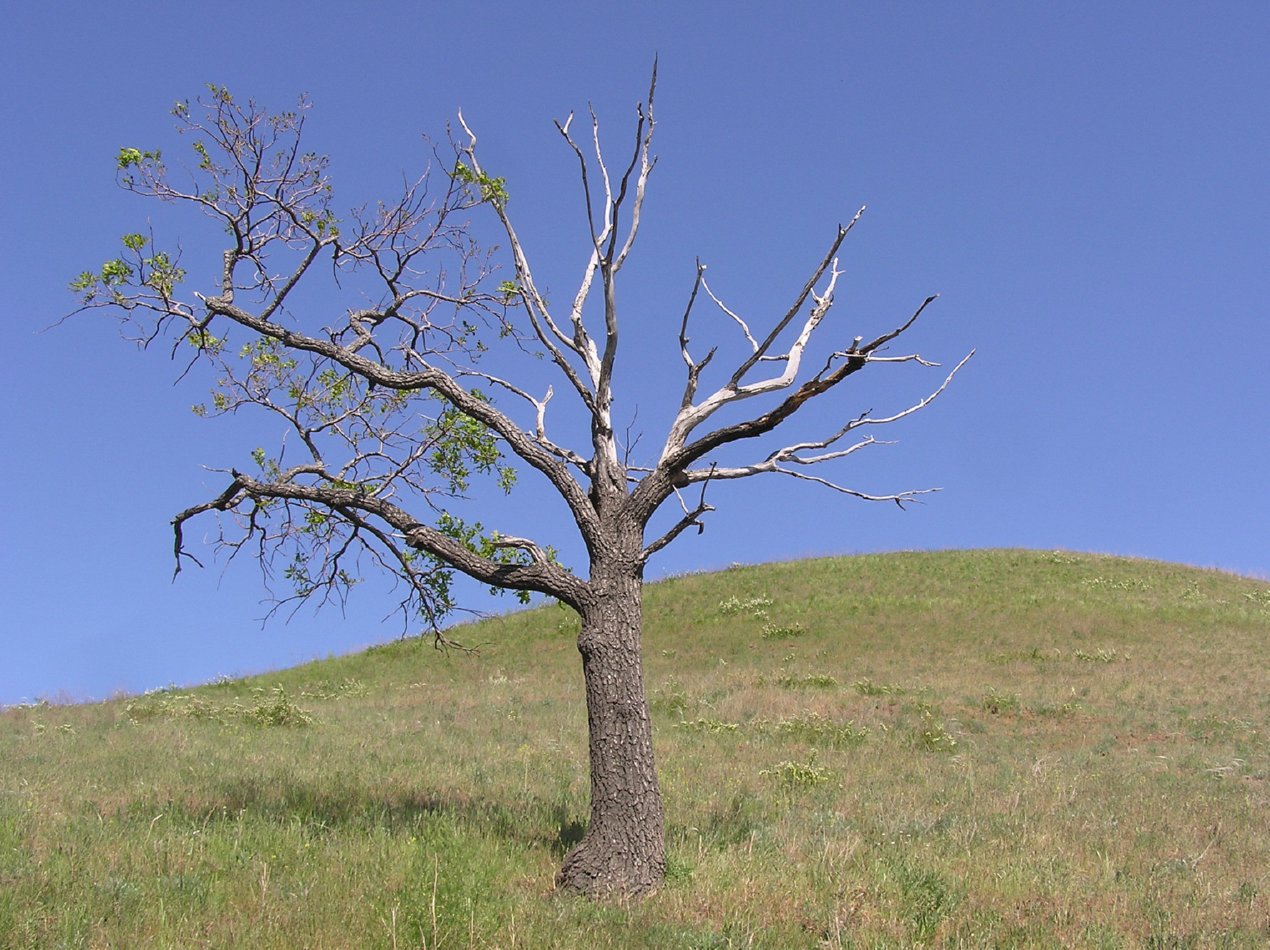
x=623, y=850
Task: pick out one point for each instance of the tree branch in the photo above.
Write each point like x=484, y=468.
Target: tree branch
x=690, y=519
x=542, y=575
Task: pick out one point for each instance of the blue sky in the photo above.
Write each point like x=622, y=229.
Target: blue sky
x=1085, y=184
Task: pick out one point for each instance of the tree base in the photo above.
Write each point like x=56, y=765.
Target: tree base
x=604, y=869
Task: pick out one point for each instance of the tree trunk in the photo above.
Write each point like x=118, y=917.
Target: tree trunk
x=623, y=851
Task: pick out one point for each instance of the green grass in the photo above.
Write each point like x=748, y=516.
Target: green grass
x=961, y=749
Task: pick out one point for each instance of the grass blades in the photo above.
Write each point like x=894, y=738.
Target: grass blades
x=961, y=749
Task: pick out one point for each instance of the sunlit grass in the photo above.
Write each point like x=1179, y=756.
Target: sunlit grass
x=955, y=749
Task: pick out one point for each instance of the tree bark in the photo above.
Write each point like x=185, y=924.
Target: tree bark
x=623, y=851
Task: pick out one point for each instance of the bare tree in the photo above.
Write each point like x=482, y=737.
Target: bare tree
x=392, y=414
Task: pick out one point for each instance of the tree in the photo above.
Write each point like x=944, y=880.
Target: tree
x=393, y=414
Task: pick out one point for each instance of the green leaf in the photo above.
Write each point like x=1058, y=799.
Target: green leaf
x=116, y=272
x=134, y=156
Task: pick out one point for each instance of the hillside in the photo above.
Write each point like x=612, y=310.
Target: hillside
x=986, y=748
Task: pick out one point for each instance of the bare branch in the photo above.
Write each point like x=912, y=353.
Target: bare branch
x=691, y=416
x=545, y=328
x=827, y=263
x=694, y=368
x=434, y=380
x=899, y=497
x=888, y=337
x=646, y=165
x=542, y=575
x=690, y=519
x=739, y=322
x=778, y=461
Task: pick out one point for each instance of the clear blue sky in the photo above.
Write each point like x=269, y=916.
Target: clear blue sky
x=1086, y=184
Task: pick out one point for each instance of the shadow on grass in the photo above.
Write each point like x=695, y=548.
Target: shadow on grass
x=530, y=820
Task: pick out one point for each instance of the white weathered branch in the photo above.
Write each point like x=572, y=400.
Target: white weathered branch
x=739, y=322
x=796, y=453
x=545, y=328
x=691, y=416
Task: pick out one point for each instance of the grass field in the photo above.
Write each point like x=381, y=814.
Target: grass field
x=961, y=749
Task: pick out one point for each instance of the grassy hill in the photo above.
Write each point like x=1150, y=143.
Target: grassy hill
x=987, y=748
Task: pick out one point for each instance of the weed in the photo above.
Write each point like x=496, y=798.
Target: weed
x=166, y=705
x=926, y=899
x=755, y=607
x=933, y=735
x=1123, y=584
x=1259, y=598
x=866, y=687
x=1059, y=557
x=1098, y=656
x=275, y=708
x=670, y=698
x=799, y=774
x=1034, y=655
x=270, y=708
x=996, y=702
x=714, y=726
x=776, y=631
x=335, y=690
x=677, y=871
x=1069, y=708
x=816, y=729
x=807, y=681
